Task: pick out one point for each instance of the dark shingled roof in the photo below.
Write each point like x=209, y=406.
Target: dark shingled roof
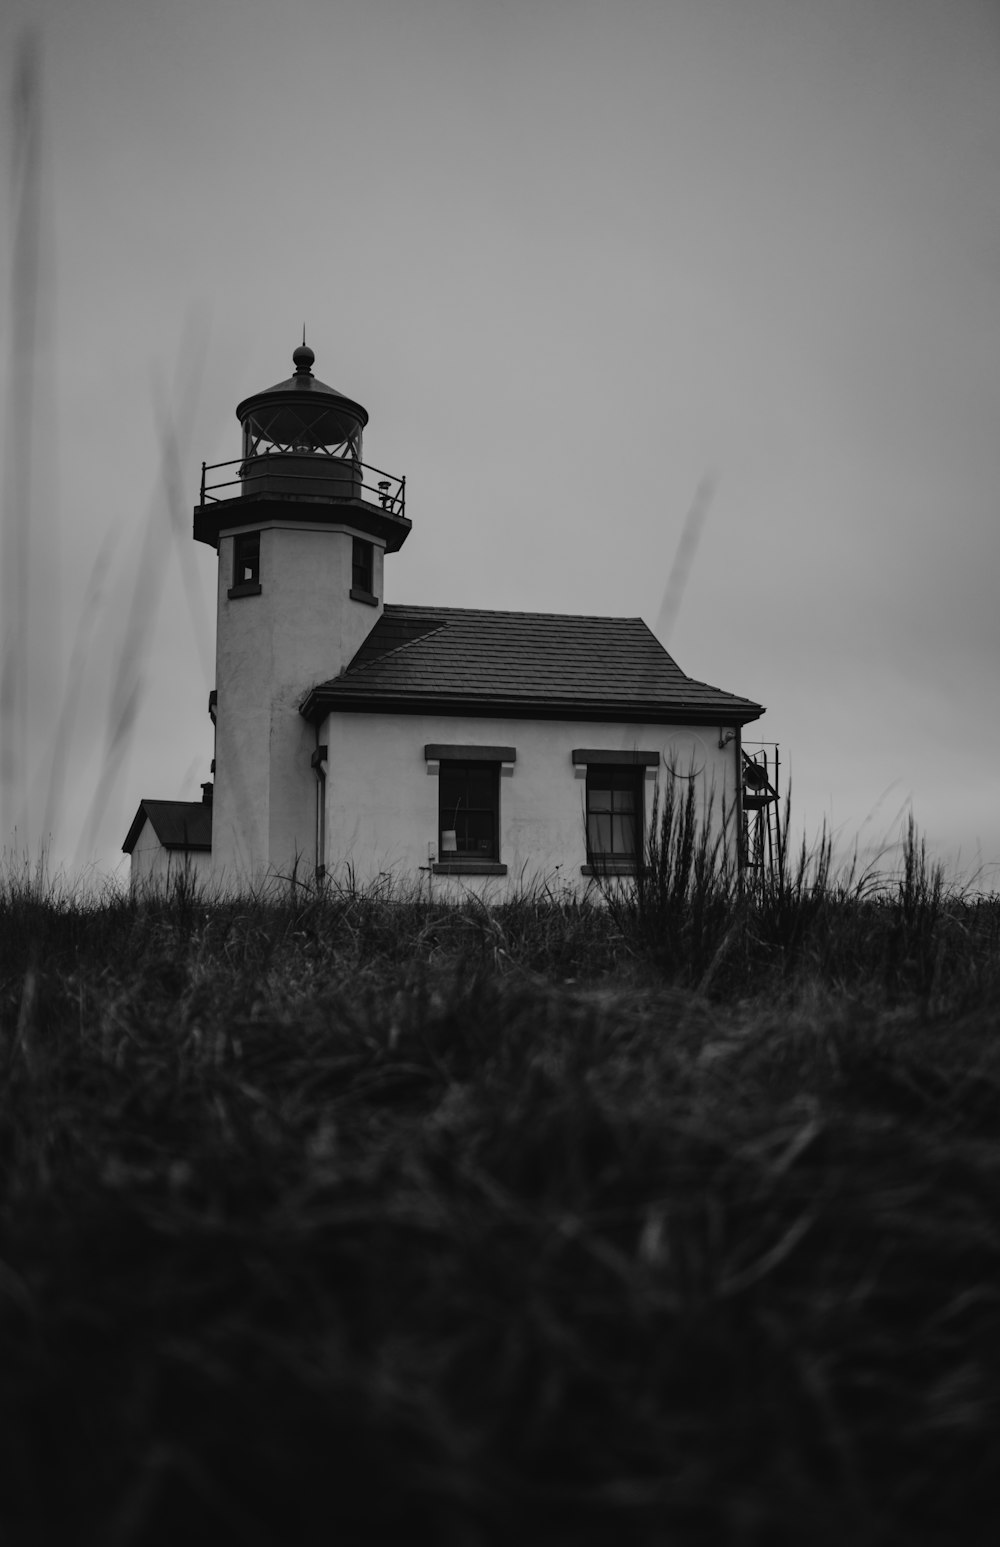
x=179, y=824
x=537, y=664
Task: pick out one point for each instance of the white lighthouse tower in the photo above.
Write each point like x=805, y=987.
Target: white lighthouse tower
x=301, y=527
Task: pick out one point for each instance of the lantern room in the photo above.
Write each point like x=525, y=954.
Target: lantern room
x=301, y=450
x=299, y=421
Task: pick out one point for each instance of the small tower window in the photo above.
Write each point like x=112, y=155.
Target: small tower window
x=246, y=564
x=363, y=571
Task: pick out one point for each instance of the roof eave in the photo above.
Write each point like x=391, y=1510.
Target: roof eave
x=297, y=390
x=132, y=836
x=324, y=700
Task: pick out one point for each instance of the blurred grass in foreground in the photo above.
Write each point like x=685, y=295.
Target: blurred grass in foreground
x=353, y=1214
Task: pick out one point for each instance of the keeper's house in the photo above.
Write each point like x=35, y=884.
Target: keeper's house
x=356, y=737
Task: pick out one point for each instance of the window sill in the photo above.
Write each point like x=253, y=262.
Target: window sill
x=363, y=596
x=611, y=867
x=249, y=588
x=469, y=867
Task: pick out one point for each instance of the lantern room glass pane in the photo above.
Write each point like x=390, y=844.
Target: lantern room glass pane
x=313, y=428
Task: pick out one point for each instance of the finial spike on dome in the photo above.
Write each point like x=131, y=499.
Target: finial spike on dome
x=303, y=357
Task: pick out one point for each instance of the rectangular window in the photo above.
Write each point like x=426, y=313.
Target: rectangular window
x=246, y=561
x=614, y=813
x=363, y=568
x=469, y=811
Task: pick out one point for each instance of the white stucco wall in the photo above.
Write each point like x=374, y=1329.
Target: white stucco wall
x=382, y=803
x=302, y=629
x=154, y=866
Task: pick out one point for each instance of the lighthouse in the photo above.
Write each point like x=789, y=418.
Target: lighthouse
x=301, y=527
x=360, y=741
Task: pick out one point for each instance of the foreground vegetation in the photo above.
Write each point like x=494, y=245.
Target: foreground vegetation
x=672, y=1218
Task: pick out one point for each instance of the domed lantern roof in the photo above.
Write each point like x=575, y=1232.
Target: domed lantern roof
x=302, y=414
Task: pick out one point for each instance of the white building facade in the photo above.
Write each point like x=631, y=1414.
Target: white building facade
x=545, y=788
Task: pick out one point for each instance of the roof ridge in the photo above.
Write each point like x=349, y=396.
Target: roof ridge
x=510, y=612
x=661, y=646
x=148, y=800
x=378, y=660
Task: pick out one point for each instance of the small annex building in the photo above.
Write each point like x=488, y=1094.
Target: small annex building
x=358, y=738
x=171, y=838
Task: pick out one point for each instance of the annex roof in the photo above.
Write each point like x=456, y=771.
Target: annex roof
x=179, y=824
x=526, y=664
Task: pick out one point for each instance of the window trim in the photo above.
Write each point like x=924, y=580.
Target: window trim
x=475, y=867
x=636, y=765
x=475, y=758
x=461, y=752
x=584, y=756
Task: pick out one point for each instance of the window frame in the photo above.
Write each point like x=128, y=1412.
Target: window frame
x=623, y=777
x=640, y=762
x=245, y=543
x=440, y=759
x=467, y=769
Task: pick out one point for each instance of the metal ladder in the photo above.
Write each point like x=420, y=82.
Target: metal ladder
x=762, y=836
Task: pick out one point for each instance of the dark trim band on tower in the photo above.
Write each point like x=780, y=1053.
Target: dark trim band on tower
x=210, y=521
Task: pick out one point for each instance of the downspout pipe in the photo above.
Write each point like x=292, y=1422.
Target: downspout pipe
x=734, y=734
x=319, y=762
x=741, y=858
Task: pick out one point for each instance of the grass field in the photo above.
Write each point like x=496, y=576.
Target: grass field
x=674, y=1219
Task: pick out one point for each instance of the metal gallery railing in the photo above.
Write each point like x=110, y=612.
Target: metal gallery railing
x=307, y=474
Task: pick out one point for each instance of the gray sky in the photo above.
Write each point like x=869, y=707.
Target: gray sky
x=574, y=258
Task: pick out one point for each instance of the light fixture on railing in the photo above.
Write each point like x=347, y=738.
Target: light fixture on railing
x=383, y=491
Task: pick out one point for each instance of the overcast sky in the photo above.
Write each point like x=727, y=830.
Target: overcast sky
x=576, y=258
